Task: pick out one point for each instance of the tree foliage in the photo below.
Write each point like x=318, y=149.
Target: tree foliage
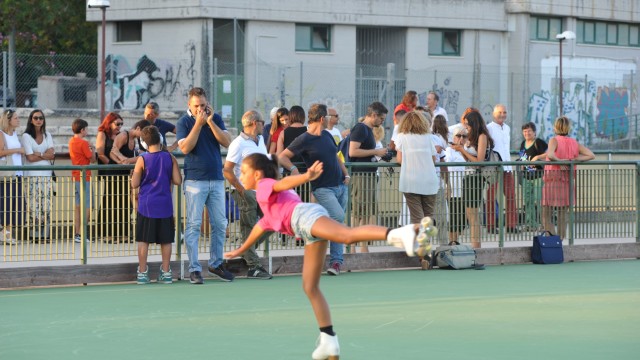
x=47, y=26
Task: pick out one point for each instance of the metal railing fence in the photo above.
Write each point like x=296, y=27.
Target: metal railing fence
x=605, y=206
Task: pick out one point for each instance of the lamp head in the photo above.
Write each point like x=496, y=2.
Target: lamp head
x=567, y=35
x=101, y=4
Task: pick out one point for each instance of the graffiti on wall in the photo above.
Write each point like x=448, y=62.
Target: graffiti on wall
x=448, y=97
x=595, y=97
x=596, y=111
x=579, y=103
x=613, y=107
x=163, y=81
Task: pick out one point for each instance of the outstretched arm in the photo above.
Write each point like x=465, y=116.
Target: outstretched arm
x=293, y=181
x=255, y=234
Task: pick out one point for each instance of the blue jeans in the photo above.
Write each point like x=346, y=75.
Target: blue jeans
x=198, y=195
x=334, y=199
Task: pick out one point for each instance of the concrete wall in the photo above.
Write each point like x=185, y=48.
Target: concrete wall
x=162, y=67
x=498, y=62
x=469, y=14
x=282, y=265
x=271, y=59
x=615, y=10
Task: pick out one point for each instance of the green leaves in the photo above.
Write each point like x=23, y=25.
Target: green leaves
x=47, y=26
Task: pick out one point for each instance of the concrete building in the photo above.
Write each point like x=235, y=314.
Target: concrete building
x=260, y=54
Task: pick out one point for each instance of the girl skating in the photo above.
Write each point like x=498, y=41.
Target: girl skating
x=286, y=213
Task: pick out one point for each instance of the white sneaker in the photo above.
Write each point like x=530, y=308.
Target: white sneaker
x=327, y=348
x=414, y=239
x=7, y=239
x=78, y=239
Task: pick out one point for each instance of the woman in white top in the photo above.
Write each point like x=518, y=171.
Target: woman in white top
x=11, y=152
x=39, y=151
x=416, y=155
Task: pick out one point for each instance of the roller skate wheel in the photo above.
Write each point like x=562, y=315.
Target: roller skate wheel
x=421, y=238
x=432, y=231
x=426, y=222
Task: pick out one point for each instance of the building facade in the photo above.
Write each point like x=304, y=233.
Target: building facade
x=260, y=54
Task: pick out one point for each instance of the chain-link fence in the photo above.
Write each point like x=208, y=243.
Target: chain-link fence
x=601, y=102
x=62, y=81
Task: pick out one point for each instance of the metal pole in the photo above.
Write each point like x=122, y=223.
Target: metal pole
x=104, y=64
x=235, y=72
x=301, y=83
x=560, y=85
x=391, y=89
x=4, y=79
x=214, y=83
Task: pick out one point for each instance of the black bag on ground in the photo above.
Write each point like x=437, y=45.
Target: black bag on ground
x=547, y=249
x=457, y=257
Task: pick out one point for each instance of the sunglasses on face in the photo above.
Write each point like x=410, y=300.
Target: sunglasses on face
x=38, y=118
x=461, y=136
x=118, y=123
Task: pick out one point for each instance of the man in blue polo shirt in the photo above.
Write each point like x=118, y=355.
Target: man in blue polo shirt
x=200, y=134
x=330, y=189
x=151, y=113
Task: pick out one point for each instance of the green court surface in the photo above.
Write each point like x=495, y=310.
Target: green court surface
x=587, y=310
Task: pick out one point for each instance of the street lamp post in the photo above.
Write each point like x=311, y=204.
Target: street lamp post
x=103, y=5
x=567, y=35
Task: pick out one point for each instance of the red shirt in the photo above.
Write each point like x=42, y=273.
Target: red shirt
x=80, y=154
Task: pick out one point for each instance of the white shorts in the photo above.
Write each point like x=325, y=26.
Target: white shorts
x=303, y=218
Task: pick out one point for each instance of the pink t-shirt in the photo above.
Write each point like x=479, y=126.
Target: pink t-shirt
x=277, y=207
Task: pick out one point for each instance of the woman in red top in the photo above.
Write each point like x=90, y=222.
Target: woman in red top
x=556, y=191
x=281, y=123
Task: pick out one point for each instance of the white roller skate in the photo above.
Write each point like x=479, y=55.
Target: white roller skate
x=414, y=238
x=327, y=348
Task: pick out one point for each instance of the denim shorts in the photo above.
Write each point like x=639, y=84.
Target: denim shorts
x=86, y=193
x=303, y=218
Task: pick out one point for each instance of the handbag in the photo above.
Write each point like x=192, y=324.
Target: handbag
x=490, y=173
x=457, y=257
x=547, y=249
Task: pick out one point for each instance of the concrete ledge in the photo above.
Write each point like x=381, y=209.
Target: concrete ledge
x=126, y=272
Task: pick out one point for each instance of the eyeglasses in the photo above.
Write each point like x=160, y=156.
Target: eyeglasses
x=119, y=124
x=461, y=136
x=38, y=118
x=9, y=112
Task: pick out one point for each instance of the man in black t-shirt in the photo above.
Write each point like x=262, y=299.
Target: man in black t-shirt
x=330, y=189
x=362, y=148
